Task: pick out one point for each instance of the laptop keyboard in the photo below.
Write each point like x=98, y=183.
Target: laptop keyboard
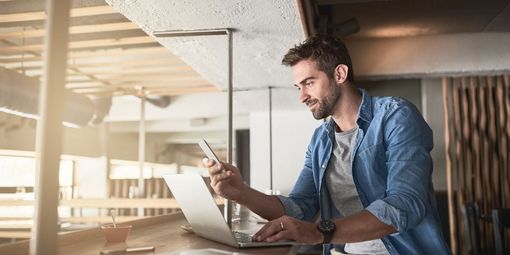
x=242, y=237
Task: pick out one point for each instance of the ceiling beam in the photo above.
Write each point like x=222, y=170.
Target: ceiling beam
x=99, y=28
x=145, y=71
x=94, y=54
x=134, y=71
x=15, y=6
x=181, y=91
x=146, y=77
x=41, y=15
x=103, y=64
x=169, y=91
x=149, y=79
x=133, y=84
x=162, y=83
x=82, y=44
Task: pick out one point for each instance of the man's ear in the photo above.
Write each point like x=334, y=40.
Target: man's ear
x=340, y=74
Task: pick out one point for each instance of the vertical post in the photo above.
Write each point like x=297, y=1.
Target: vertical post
x=141, y=149
x=103, y=141
x=49, y=129
x=228, y=203
x=449, y=178
x=271, y=140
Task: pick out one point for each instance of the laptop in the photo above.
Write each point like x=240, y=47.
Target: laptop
x=204, y=216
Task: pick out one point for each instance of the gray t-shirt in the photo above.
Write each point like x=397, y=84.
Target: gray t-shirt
x=343, y=191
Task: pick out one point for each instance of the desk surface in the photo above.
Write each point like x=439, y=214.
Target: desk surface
x=106, y=202
x=163, y=232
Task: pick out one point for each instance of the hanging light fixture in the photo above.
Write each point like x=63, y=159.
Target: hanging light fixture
x=19, y=95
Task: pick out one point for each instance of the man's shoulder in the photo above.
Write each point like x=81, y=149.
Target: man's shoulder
x=393, y=112
x=391, y=104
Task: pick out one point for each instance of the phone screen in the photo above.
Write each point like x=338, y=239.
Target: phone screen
x=208, y=151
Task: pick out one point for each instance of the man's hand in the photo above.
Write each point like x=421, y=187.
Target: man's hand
x=226, y=179
x=289, y=228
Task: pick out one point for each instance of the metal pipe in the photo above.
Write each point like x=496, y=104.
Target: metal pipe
x=49, y=130
x=271, y=140
x=141, y=150
x=197, y=32
x=228, y=205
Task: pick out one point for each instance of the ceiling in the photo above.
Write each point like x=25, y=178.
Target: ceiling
x=399, y=18
x=114, y=51
x=109, y=55
x=263, y=31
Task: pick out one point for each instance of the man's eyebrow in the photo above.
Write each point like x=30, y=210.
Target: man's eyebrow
x=305, y=80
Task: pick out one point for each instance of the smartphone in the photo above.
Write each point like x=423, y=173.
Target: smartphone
x=208, y=151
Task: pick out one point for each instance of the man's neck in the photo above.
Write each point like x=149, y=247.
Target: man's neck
x=346, y=110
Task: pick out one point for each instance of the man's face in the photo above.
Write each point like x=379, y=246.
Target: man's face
x=317, y=91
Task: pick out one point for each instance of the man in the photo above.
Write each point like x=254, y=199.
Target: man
x=367, y=170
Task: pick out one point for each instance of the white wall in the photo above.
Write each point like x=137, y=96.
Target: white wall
x=432, y=98
x=292, y=131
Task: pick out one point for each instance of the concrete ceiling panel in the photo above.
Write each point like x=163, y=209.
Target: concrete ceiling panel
x=264, y=31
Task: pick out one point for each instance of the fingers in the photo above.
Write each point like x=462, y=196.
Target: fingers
x=271, y=232
x=219, y=178
x=217, y=173
x=207, y=162
x=282, y=235
x=211, y=165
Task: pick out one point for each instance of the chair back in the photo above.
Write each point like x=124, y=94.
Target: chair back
x=501, y=221
x=471, y=213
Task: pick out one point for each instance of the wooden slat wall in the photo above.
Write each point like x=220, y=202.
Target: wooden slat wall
x=477, y=127
x=154, y=188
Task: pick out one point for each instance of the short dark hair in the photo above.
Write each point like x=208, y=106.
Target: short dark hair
x=326, y=51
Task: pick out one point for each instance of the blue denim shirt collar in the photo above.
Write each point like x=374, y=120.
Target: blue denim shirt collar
x=365, y=109
x=364, y=116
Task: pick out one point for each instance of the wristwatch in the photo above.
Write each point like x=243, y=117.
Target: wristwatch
x=327, y=228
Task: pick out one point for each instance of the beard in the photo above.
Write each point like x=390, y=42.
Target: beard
x=327, y=103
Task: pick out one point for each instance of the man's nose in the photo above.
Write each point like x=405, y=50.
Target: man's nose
x=303, y=96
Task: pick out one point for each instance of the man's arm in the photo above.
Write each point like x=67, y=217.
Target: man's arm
x=362, y=226
x=267, y=206
x=408, y=142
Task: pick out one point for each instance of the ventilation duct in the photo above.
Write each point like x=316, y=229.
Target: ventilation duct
x=19, y=94
x=159, y=101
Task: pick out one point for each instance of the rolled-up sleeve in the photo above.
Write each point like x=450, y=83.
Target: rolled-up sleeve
x=388, y=214
x=291, y=208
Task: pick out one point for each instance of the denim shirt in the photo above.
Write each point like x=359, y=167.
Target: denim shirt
x=391, y=168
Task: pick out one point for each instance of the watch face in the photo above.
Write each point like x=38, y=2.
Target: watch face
x=327, y=225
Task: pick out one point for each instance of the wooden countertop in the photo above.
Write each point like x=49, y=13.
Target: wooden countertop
x=107, y=202
x=163, y=232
